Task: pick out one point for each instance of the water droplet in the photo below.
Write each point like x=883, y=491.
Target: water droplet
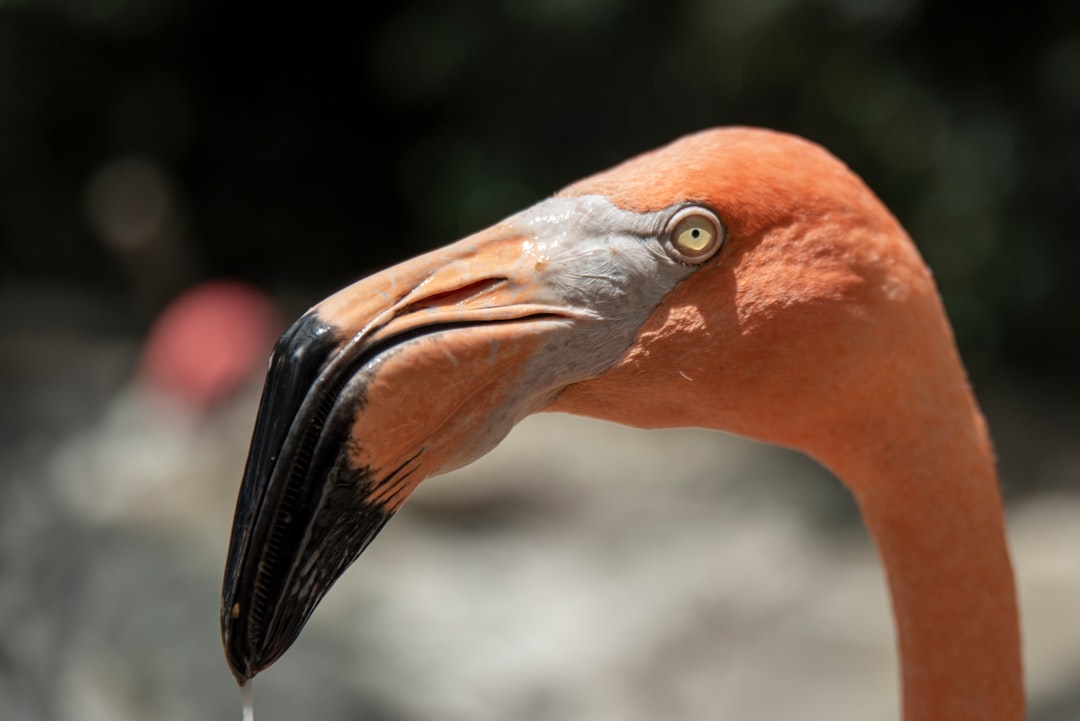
x=249, y=701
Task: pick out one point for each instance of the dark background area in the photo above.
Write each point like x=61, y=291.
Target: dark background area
x=150, y=146
x=301, y=148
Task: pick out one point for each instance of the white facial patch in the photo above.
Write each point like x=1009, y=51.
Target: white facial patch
x=609, y=266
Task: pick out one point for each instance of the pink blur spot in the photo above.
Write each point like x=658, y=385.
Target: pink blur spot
x=209, y=341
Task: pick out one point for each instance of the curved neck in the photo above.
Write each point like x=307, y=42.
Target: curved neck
x=924, y=480
x=828, y=336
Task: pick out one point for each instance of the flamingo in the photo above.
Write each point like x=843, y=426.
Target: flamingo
x=737, y=279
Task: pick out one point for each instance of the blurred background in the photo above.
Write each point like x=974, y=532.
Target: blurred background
x=181, y=179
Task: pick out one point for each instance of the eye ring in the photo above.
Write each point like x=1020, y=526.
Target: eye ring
x=694, y=235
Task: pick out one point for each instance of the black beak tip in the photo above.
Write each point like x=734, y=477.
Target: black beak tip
x=231, y=634
x=304, y=511
x=298, y=359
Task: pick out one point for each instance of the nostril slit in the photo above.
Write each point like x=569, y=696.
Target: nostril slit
x=456, y=296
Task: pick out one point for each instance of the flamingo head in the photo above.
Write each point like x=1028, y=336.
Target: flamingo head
x=735, y=279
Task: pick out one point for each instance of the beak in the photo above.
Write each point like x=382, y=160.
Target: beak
x=415, y=371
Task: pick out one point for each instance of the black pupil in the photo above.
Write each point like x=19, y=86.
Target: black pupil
x=695, y=232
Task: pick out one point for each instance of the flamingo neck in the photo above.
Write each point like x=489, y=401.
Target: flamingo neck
x=924, y=479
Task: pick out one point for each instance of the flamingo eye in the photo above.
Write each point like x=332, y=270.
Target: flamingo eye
x=694, y=235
